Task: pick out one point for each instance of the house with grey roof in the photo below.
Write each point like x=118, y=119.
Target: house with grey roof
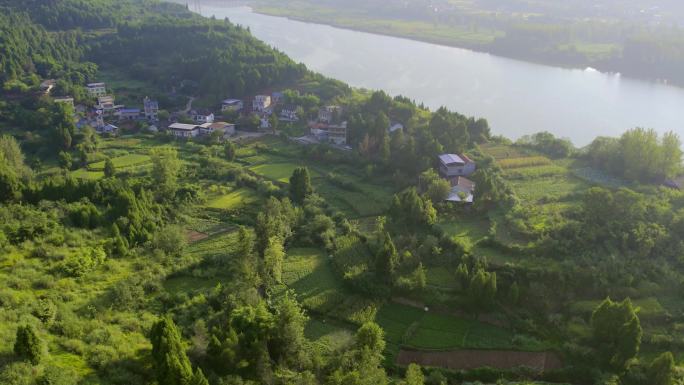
x=452, y=165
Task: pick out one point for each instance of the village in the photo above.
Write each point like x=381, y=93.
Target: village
x=266, y=110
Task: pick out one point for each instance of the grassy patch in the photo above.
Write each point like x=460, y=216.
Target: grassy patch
x=233, y=200
x=279, y=172
x=82, y=173
x=120, y=162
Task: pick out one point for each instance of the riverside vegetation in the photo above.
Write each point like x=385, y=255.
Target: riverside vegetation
x=138, y=259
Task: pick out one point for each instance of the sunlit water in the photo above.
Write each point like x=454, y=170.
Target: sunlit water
x=516, y=97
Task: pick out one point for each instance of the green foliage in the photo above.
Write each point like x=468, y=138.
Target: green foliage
x=300, y=185
x=165, y=168
x=109, y=168
x=435, y=187
x=171, y=363
x=547, y=143
x=413, y=210
x=414, y=375
x=229, y=151
x=482, y=289
x=28, y=346
x=639, y=155
x=386, y=260
x=616, y=332
x=662, y=370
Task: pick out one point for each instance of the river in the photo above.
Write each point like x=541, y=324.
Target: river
x=516, y=97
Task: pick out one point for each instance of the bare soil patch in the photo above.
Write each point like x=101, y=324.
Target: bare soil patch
x=195, y=236
x=473, y=359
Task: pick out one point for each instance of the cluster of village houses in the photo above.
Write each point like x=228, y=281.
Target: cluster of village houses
x=328, y=127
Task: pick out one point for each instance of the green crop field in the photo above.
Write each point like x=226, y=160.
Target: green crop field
x=233, y=200
x=500, y=151
x=279, y=172
x=554, y=187
x=120, y=162
x=82, y=173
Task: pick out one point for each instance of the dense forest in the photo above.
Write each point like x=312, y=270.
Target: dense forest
x=639, y=39
x=142, y=259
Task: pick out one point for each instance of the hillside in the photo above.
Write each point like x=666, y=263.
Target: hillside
x=330, y=236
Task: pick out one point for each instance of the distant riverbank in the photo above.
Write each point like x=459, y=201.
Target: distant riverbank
x=604, y=57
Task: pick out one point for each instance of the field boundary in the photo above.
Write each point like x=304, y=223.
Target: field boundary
x=468, y=359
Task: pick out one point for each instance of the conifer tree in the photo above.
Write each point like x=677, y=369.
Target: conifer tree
x=172, y=365
x=28, y=346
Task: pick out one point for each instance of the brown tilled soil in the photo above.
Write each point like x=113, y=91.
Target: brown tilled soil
x=472, y=359
x=194, y=236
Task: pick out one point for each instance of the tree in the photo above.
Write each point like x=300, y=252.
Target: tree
x=289, y=331
x=10, y=184
x=274, y=255
x=198, y=378
x=300, y=185
x=482, y=289
x=435, y=187
x=165, y=168
x=414, y=376
x=109, y=169
x=662, y=370
x=386, y=260
x=229, y=151
x=172, y=365
x=28, y=346
x=65, y=160
x=273, y=122
x=370, y=337
x=616, y=332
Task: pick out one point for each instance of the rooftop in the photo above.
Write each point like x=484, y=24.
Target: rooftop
x=232, y=101
x=183, y=127
x=130, y=110
x=451, y=158
x=96, y=84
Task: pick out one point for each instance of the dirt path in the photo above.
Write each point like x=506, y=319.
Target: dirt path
x=188, y=106
x=473, y=359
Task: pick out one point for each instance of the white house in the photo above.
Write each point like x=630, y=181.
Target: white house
x=182, y=130
x=289, y=113
x=201, y=117
x=261, y=103
x=96, y=89
x=462, y=190
x=228, y=129
x=329, y=114
x=47, y=85
x=452, y=165
x=151, y=109
x=232, y=105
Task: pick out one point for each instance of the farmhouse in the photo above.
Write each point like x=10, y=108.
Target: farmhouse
x=462, y=190
x=151, y=109
x=261, y=103
x=106, y=104
x=129, y=114
x=96, y=89
x=232, y=105
x=182, y=130
x=202, y=116
x=329, y=114
x=330, y=133
x=289, y=113
x=452, y=165
x=65, y=99
x=227, y=129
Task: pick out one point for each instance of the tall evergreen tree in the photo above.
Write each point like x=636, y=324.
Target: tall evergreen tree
x=662, y=370
x=617, y=332
x=300, y=185
x=109, y=168
x=386, y=260
x=172, y=365
x=28, y=346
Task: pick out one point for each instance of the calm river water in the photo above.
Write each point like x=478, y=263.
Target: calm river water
x=517, y=98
